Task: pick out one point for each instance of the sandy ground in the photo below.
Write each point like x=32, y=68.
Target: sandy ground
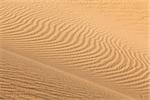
x=74, y=50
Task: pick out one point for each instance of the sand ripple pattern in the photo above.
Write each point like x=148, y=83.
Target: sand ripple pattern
x=70, y=44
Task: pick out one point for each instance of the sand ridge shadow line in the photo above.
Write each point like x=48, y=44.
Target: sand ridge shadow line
x=67, y=74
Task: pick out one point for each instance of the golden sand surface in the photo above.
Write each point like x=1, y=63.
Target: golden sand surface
x=74, y=50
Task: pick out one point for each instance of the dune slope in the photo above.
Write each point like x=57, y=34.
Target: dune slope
x=74, y=50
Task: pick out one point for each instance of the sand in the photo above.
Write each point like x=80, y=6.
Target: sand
x=74, y=50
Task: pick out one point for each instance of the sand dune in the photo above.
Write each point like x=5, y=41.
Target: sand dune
x=74, y=50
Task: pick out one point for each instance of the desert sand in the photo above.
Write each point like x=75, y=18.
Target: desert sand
x=74, y=50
